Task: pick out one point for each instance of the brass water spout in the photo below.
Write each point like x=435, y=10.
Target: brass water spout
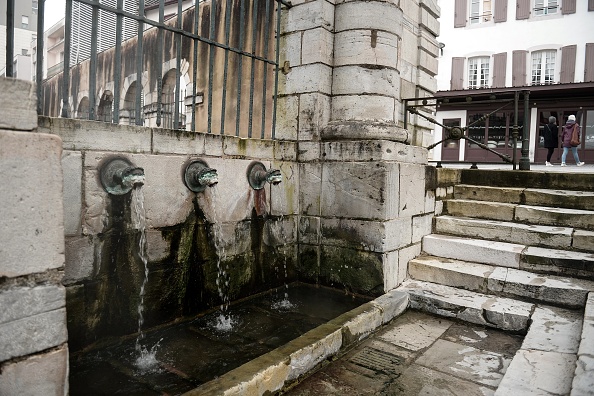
x=198, y=176
x=119, y=176
x=257, y=175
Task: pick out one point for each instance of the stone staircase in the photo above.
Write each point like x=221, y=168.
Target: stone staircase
x=519, y=259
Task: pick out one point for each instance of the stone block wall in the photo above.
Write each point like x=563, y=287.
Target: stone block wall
x=192, y=238
x=33, y=336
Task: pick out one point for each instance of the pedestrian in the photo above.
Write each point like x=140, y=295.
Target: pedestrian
x=551, y=138
x=568, y=129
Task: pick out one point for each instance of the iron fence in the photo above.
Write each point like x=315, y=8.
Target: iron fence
x=236, y=40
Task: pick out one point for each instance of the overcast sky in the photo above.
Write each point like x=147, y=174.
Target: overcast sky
x=54, y=11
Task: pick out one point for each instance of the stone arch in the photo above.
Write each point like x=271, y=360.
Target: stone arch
x=82, y=110
x=168, y=93
x=105, y=107
x=128, y=98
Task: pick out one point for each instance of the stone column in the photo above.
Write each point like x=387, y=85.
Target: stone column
x=33, y=348
x=366, y=80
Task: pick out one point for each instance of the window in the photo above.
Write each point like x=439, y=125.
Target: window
x=543, y=67
x=34, y=6
x=25, y=22
x=478, y=72
x=545, y=7
x=480, y=11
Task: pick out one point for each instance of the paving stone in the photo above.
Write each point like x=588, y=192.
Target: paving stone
x=538, y=373
x=465, y=362
x=484, y=338
x=554, y=330
x=477, y=250
x=415, y=331
x=583, y=380
x=418, y=380
x=499, y=312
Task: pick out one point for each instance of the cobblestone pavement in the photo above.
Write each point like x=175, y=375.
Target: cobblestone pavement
x=418, y=354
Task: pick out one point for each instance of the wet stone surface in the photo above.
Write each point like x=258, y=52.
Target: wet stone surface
x=193, y=352
x=418, y=354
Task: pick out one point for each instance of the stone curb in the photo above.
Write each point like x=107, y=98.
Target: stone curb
x=278, y=368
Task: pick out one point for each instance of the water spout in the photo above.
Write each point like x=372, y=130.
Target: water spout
x=119, y=176
x=257, y=176
x=198, y=176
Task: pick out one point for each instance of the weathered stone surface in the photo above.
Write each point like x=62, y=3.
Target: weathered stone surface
x=364, y=47
x=315, y=77
x=525, y=234
x=466, y=362
x=477, y=250
x=480, y=209
x=45, y=374
x=309, y=229
x=360, y=190
x=167, y=141
x=555, y=216
x=499, y=312
x=368, y=15
x=19, y=105
x=375, y=236
x=32, y=212
x=310, y=15
x=363, y=108
x=357, y=80
x=560, y=198
x=466, y=275
x=80, y=259
x=33, y=334
x=72, y=171
x=314, y=113
x=284, y=197
x=307, y=358
x=366, y=320
x=412, y=190
x=549, y=372
x=287, y=117
x=404, y=256
x=310, y=188
x=366, y=129
x=373, y=150
x=157, y=247
x=492, y=194
x=587, y=337
x=248, y=148
x=583, y=380
x=557, y=261
x=391, y=304
x=554, y=330
x=583, y=240
x=415, y=331
x=318, y=47
x=419, y=380
x=421, y=226
x=22, y=302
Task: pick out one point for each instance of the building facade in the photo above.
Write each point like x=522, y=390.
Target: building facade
x=25, y=29
x=491, y=48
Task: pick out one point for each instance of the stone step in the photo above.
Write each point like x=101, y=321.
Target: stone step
x=500, y=281
x=527, y=196
x=499, y=312
x=544, y=215
x=505, y=231
x=583, y=381
x=545, y=364
x=511, y=255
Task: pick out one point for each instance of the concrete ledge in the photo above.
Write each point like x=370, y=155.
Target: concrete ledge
x=278, y=368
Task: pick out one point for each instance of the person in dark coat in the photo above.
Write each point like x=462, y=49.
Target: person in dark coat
x=566, y=139
x=551, y=138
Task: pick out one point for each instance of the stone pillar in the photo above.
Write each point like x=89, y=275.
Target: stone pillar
x=364, y=204
x=366, y=80
x=33, y=348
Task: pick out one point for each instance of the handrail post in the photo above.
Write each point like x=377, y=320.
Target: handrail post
x=525, y=160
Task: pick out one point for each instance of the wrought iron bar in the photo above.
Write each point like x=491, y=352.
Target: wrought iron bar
x=9, y=38
x=118, y=65
x=265, y=66
x=160, y=63
x=504, y=157
x=93, y=61
x=139, y=68
x=211, y=53
x=525, y=160
x=276, y=69
x=39, y=54
x=240, y=66
x=226, y=67
x=66, y=72
x=178, y=43
x=252, y=70
x=195, y=63
x=515, y=129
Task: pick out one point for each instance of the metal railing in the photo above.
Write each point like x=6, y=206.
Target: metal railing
x=216, y=97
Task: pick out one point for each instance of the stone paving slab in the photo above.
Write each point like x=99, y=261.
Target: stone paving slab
x=538, y=373
x=583, y=380
x=554, y=330
x=473, y=307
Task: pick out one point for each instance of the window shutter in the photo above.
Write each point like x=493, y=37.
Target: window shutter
x=568, y=7
x=568, y=64
x=460, y=13
x=519, y=68
x=457, y=81
x=500, y=11
x=522, y=9
x=589, y=66
x=499, y=68
x=590, y=5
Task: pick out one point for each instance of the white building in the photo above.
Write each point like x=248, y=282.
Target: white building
x=25, y=28
x=490, y=47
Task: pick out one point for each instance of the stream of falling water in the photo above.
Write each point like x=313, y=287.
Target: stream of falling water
x=224, y=321
x=283, y=303
x=146, y=359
